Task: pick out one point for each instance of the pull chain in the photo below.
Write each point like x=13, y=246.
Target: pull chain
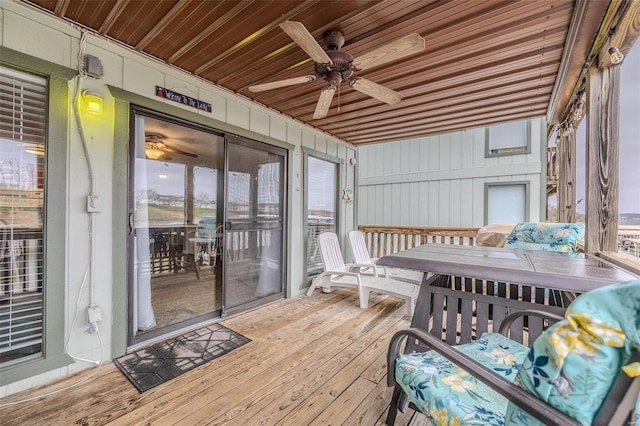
x=339, y=85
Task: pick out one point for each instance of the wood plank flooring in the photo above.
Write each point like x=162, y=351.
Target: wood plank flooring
x=316, y=360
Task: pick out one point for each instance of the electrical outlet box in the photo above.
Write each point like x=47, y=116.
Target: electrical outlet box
x=94, y=204
x=94, y=314
x=92, y=66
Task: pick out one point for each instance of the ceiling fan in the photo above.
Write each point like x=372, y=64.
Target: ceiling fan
x=156, y=149
x=336, y=66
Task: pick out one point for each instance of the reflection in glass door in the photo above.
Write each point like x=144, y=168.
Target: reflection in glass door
x=254, y=231
x=176, y=207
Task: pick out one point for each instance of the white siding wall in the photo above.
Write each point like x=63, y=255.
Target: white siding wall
x=439, y=180
x=43, y=36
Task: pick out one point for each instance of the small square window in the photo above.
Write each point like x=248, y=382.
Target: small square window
x=506, y=202
x=508, y=139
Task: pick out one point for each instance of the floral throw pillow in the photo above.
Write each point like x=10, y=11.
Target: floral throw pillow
x=560, y=237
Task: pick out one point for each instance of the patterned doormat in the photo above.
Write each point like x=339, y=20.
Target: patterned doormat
x=161, y=362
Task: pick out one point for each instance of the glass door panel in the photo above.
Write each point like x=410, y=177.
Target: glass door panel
x=175, y=280
x=254, y=224
x=322, y=177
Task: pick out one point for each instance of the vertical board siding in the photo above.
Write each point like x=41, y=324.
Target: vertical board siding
x=439, y=180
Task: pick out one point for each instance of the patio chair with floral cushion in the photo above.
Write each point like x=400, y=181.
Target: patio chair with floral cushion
x=582, y=370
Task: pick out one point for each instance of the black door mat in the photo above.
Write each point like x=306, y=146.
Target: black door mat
x=161, y=362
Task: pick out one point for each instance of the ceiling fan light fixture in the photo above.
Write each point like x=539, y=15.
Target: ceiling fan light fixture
x=153, y=154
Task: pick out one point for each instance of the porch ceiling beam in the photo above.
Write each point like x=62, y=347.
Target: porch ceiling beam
x=114, y=14
x=209, y=30
x=255, y=36
x=61, y=7
x=161, y=25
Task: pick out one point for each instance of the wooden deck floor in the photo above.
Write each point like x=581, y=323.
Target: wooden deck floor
x=312, y=360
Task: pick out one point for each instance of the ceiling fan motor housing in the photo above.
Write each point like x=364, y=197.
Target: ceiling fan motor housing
x=340, y=70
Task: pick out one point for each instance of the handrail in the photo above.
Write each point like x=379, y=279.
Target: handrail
x=384, y=240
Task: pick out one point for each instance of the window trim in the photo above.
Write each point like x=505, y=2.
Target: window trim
x=527, y=197
x=526, y=149
x=339, y=162
x=55, y=235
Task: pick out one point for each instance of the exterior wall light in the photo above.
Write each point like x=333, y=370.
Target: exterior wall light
x=616, y=55
x=93, y=102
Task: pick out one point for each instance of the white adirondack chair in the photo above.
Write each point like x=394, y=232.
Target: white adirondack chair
x=337, y=273
x=367, y=265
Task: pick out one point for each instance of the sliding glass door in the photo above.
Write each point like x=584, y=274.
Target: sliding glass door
x=254, y=224
x=176, y=205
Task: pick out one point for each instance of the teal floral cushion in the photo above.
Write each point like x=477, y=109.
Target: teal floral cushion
x=574, y=363
x=449, y=395
x=546, y=236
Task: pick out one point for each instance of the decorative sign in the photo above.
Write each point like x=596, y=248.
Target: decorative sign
x=183, y=99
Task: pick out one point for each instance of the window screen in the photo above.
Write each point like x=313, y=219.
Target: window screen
x=508, y=138
x=23, y=102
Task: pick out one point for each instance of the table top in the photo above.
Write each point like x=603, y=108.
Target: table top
x=578, y=272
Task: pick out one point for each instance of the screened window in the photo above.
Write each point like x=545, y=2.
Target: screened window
x=321, y=193
x=507, y=203
x=508, y=139
x=23, y=111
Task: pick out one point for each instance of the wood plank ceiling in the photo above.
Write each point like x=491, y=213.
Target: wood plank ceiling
x=485, y=61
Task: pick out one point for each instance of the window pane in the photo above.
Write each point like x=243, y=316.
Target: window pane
x=163, y=198
x=205, y=193
x=506, y=203
x=22, y=155
x=321, y=208
x=508, y=138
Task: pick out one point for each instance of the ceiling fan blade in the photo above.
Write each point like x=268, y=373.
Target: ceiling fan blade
x=376, y=90
x=178, y=151
x=281, y=83
x=405, y=46
x=324, y=102
x=304, y=39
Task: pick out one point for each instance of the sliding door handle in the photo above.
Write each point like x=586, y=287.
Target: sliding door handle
x=131, y=228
